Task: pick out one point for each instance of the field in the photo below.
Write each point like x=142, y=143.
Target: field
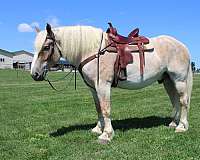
x=31, y=111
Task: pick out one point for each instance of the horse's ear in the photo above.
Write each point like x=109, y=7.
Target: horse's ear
x=37, y=30
x=48, y=28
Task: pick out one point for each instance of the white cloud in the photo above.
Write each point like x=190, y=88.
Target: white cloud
x=24, y=27
x=53, y=21
x=30, y=27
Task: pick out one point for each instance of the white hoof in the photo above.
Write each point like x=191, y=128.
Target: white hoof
x=172, y=125
x=97, y=130
x=181, y=128
x=105, y=138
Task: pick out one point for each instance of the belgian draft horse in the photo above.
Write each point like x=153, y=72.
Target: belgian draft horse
x=169, y=62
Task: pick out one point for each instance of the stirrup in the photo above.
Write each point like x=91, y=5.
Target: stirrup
x=123, y=75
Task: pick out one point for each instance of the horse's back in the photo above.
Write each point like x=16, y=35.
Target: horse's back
x=169, y=56
x=169, y=47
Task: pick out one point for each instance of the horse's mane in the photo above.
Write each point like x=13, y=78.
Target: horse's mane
x=75, y=41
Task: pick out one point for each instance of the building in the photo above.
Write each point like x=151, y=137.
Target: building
x=6, y=59
x=19, y=59
x=22, y=59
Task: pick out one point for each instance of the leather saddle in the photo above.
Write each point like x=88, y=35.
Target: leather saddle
x=122, y=46
x=132, y=39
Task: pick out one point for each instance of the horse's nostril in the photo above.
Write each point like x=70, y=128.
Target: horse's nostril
x=38, y=77
x=35, y=76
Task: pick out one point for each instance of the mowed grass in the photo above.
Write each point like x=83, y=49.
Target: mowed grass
x=31, y=111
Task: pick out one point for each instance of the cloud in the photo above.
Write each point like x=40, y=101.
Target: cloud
x=25, y=27
x=53, y=21
x=30, y=27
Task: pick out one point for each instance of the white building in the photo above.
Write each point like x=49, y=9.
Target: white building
x=6, y=59
x=19, y=59
x=23, y=59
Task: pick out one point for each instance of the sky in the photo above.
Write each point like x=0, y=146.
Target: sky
x=177, y=18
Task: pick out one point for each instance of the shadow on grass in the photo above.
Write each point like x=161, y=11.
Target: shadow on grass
x=122, y=125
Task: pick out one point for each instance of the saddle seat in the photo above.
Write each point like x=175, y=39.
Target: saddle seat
x=126, y=40
x=132, y=39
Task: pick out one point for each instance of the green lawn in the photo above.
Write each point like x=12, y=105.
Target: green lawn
x=31, y=111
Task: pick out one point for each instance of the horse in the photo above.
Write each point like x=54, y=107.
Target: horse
x=169, y=63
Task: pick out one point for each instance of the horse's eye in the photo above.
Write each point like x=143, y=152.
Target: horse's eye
x=46, y=48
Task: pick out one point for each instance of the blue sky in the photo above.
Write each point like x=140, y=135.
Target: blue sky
x=178, y=18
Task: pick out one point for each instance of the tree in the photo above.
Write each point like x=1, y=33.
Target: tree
x=193, y=67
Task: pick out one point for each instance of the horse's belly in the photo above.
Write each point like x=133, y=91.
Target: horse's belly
x=136, y=83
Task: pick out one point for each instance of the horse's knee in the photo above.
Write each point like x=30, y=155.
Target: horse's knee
x=184, y=100
x=105, y=108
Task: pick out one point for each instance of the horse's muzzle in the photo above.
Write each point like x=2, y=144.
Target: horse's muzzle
x=38, y=77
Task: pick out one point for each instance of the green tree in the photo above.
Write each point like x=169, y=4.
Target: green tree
x=193, y=67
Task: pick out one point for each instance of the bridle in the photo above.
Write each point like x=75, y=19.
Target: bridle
x=81, y=65
x=52, y=46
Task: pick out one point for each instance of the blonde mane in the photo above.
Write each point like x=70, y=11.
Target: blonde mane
x=76, y=42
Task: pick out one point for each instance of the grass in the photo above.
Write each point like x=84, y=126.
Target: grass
x=31, y=111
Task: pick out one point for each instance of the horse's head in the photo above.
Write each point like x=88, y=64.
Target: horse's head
x=47, y=53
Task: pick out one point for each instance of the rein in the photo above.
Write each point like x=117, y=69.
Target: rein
x=54, y=88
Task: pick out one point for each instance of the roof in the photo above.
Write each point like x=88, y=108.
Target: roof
x=6, y=53
x=22, y=52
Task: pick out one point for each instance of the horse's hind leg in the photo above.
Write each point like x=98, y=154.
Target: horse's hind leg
x=184, y=99
x=174, y=98
x=183, y=85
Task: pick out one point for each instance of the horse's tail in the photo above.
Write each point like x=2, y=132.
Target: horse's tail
x=189, y=82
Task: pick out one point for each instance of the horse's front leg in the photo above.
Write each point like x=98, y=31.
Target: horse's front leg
x=98, y=129
x=103, y=93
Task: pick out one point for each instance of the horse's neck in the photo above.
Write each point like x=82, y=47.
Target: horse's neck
x=75, y=57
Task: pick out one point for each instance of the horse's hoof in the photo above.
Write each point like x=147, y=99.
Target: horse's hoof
x=172, y=125
x=96, y=130
x=104, y=138
x=181, y=128
x=103, y=141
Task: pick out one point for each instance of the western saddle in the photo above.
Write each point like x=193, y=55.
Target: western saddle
x=124, y=46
